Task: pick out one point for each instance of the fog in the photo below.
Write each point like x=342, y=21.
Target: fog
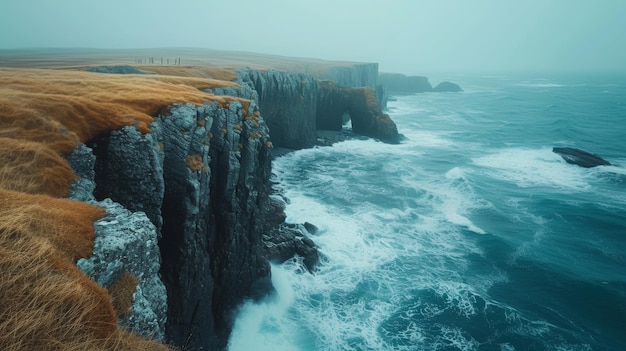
x=409, y=36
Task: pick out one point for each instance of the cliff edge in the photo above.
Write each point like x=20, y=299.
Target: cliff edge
x=172, y=220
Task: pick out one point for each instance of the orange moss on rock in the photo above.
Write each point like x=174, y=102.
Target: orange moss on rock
x=194, y=162
x=121, y=291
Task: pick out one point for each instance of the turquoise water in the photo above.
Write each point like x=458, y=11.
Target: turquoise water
x=470, y=235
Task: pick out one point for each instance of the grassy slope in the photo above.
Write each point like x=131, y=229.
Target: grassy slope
x=46, y=302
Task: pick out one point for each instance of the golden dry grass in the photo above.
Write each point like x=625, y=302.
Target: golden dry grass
x=58, y=108
x=67, y=224
x=87, y=104
x=44, y=297
x=28, y=167
x=46, y=302
x=220, y=73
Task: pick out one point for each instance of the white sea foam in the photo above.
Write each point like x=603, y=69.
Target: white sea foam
x=375, y=256
x=541, y=85
x=260, y=326
x=457, y=201
x=533, y=167
x=427, y=139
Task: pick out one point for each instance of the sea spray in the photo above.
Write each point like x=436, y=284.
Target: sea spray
x=259, y=324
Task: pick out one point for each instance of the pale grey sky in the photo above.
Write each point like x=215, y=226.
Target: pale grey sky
x=409, y=36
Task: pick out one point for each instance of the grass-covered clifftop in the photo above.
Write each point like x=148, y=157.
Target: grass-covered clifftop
x=196, y=62
x=46, y=302
x=50, y=102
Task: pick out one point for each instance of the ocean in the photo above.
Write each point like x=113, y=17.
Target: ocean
x=469, y=235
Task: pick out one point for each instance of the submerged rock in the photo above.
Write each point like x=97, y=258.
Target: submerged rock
x=580, y=157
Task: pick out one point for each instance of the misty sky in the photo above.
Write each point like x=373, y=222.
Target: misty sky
x=409, y=36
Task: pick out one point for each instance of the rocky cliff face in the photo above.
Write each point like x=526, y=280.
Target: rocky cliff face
x=360, y=105
x=295, y=105
x=216, y=187
x=190, y=209
x=202, y=178
x=356, y=75
x=289, y=104
x=400, y=83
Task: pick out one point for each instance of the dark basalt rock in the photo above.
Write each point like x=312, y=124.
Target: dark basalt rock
x=295, y=106
x=203, y=177
x=289, y=105
x=580, y=157
x=129, y=170
x=361, y=105
x=447, y=87
x=217, y=184
x=368, y=118
x=289, y=240
x=310, y=228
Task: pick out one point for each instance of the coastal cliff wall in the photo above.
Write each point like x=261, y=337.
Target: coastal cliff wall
x=44, y=239
x=355, y=75
x=397, y=83
x=400, y=83
x=288, y=102
x=202, y=177
x=296, y=105
x=186, y=218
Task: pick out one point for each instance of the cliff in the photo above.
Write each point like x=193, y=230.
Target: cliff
x=47, y=302
x=173, y=221
x=397, y=83
x=360, y=105
x=296, y=105
x=356, y=75
x=402, y=84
